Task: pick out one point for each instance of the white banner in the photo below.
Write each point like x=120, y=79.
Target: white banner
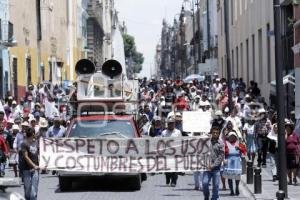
x=196, y=121
x=140, y=155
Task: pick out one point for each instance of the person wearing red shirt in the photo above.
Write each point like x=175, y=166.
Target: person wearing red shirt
x=3, y=151
x=181, y=103
x=233, y=166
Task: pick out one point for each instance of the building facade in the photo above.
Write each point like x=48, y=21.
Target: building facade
x=6, y=41
x=251, y=35
x=51, y=36
x=189, y=45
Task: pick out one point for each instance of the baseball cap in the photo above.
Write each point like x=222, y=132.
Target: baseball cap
x=171, y=120
x=25, y=124
x=11, y=121
x=218, y=113
x=15, y=127
x=232, y=134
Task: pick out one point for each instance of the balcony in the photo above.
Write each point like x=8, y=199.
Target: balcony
x=6, y=34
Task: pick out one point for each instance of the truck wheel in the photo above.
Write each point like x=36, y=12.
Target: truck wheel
x=65, y=183
x=136, y=182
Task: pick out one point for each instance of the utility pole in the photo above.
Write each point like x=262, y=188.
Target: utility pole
x=226, y=29
x=194, y=39
x=280, y=101
x=199, y=33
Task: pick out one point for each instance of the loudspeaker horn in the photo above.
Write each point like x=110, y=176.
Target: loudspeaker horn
x=85, y=66
x=112, y=68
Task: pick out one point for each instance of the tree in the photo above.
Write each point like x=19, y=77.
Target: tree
x=136, y=58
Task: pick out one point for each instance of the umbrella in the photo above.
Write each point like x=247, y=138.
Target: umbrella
x=192, y=77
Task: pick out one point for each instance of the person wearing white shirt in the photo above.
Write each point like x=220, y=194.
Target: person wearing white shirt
x=217, y=86
x=171, y=131
x=234, y=118
x=196, y=103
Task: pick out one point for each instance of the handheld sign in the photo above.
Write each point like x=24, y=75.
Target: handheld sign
x=196, y=121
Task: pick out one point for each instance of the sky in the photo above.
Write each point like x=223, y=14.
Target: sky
x=144, y=21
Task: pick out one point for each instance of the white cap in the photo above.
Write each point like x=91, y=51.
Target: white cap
x=15, y=127
x=178, y=114
x=232, y=134
x=197, y=97
x=218, y=113
x=25, y=124
x=171, y=120
x=262, y=110
x=226, y=110
x=247, y=96
x=31, y=119
x=14, y=102
x=157, y=118
x=43, y=123
x=11, y=121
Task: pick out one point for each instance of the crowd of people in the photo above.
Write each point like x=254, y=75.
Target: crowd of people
x=247, y=132
x=22, y=122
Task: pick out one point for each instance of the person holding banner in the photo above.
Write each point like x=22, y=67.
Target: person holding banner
x=233, y=165
x=29, y=164
x=217, y=157
x=171, y=131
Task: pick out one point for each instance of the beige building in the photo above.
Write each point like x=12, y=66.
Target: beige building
x=251, y=42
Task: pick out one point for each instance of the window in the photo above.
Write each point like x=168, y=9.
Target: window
x=100, y=128
x=236, y=9
x=253, y=56
x=260, y=56
x=15, y=77
x=43, y=72
x=1, y=78
x=50, y=71
x=247, y=60
x=242, y=60
x=269, y=54
x=241, y=6
x=28, y=70
x=237, y=61
x=222, y=21
x=231, y=11
x=0, y=30
x=222, y=64
x=232, y=63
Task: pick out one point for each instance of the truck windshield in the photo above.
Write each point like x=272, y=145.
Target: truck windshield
x=98, y=128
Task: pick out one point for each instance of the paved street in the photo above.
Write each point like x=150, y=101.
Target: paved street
x=153, y=188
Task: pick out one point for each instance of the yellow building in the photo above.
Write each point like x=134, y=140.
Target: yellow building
x=49, y=42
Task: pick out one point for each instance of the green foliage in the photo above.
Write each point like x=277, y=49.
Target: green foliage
x=132, y=54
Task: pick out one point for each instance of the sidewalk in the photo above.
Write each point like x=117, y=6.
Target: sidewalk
x=269, y=188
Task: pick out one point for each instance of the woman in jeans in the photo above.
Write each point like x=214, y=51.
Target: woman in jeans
x=29, y=164
x=292, y=142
